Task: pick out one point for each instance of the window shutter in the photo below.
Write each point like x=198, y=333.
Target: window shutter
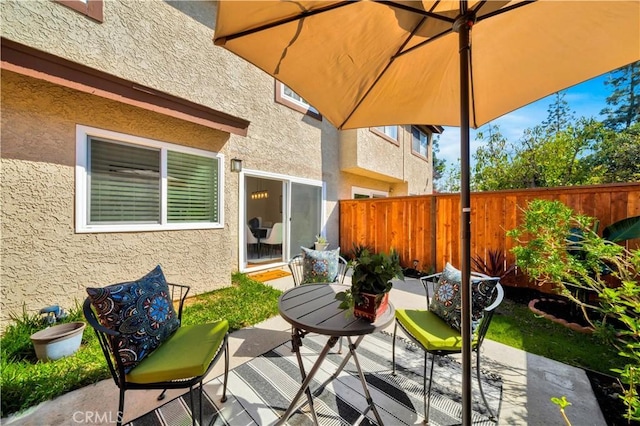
x=124, y=183
x=192, y=188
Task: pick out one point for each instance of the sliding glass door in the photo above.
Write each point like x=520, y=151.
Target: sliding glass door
x=270, y=201
x=305, y=216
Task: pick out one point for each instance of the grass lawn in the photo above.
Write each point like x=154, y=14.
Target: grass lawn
x=26, y=382
x=515, y=325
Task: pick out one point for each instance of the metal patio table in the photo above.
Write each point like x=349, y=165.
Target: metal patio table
x=313, y=308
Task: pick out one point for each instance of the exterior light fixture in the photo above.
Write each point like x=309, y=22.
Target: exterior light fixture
x=236, y=165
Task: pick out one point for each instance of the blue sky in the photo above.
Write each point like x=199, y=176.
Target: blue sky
x=586, y=100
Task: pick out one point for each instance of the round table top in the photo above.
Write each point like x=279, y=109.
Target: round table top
x=314, y=308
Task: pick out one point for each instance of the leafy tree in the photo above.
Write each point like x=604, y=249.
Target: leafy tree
x=493, y=164
x=624, y=101
x=450, y=180
x=559, y=115
x=439, y=164
x=617, y=157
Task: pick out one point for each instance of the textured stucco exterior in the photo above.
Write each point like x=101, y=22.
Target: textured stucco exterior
x=167, y=46
x=44, y=261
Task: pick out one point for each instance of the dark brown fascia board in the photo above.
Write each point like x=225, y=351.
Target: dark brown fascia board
x=35, y=63
x=427, y=128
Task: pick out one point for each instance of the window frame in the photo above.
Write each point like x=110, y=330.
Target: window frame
x=417, y=153
x=370, y=193
x=296, y=105
x=82, y=196
x=94, y=9
x=385, y=136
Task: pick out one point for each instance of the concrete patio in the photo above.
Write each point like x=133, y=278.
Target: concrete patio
x=529, y=381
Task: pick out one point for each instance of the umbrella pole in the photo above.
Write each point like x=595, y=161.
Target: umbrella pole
x=463, y=27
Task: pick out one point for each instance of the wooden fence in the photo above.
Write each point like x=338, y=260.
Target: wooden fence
x=427, y=228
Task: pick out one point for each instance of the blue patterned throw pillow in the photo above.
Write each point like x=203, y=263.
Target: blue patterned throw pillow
x=142, y=311
x=320, y=266
x=447, y=298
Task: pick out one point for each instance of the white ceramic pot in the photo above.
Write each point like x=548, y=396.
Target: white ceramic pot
x=58, y=341
x=321, y=246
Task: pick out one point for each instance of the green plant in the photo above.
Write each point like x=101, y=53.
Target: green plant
x=372, y=273
x=562, y=403
x=320, y=239
x=558, y=246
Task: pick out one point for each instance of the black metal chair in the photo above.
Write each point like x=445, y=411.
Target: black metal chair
x=438, y=338
x=182, y=361
x=297, y=269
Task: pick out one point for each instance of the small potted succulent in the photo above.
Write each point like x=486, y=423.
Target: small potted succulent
x=321, y=243
x=370, y=282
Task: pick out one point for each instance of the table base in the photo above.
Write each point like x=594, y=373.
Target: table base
x=296, y=342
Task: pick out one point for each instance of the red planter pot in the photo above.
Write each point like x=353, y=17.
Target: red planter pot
x=371, y=306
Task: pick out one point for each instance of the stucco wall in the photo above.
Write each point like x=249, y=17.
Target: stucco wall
x=44, y=261
x=166, y=45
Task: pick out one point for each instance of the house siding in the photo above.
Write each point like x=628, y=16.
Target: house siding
x=44, y=261
x=166, y=46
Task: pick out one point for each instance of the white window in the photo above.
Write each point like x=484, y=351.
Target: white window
x=387, y=132
x=126, y=183
x=420, y=142
x=286, y=96
x=357, y=192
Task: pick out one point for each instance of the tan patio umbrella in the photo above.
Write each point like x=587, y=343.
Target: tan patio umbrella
x=451, y=63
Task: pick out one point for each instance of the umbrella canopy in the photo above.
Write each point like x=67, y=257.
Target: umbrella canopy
x=369, y=63
x=452, y=63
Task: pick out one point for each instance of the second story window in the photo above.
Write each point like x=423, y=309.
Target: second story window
x=286, y=96
x=420, y=142
x=388, y=132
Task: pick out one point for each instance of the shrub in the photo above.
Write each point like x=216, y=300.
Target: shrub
x=559, y=246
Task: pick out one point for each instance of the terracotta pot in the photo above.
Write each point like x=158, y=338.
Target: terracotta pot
x=371, y=306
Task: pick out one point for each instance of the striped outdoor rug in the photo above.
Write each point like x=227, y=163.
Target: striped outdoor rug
x=260, y=390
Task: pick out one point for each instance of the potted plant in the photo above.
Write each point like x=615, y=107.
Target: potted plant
x=321, y=243
x=370, y=282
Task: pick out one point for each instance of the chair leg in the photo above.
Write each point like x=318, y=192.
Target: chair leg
x=427, y=397
x=201, y=391
x=162, y=395
x=226, y=371
x=393, y=350
x=120, y=408
x=492, y=415
x=192, y=406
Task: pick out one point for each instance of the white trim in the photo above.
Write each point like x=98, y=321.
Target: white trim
x=81, y=199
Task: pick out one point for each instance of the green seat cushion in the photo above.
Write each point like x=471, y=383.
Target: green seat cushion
x=430, y=330
x=187, y=353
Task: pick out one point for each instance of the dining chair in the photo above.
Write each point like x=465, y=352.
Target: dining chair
x=145, y=344
x=274, y=237
x=252, y=241
x=431, y=331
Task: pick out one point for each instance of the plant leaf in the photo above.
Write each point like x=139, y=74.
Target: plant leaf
x=625, y=229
